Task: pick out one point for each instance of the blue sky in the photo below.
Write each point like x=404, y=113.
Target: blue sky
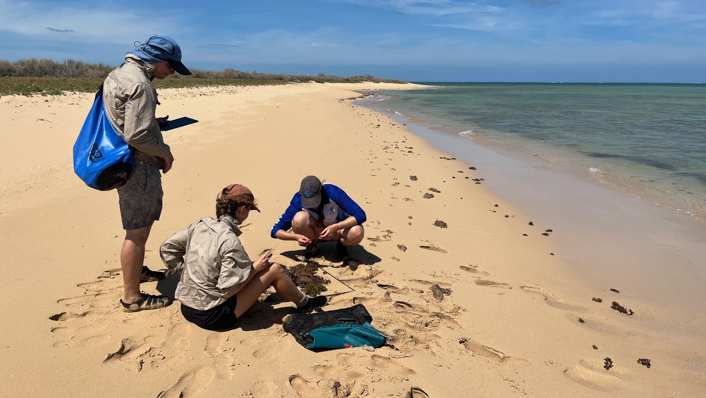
x=432, y=40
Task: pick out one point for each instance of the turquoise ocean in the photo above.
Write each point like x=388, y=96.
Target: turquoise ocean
x=647, y=140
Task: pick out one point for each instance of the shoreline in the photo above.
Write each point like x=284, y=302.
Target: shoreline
x=549, y=193
x=676, y=191
x=511, y=319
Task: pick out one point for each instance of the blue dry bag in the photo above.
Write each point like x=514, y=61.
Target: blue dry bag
x=102, y=158
x=346, y=335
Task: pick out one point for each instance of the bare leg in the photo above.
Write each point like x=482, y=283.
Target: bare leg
x=352, y=236
x=132, y=257
x=275, y=276
x=304, y=224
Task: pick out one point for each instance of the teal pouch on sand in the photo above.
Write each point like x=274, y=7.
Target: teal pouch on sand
x=346, y=335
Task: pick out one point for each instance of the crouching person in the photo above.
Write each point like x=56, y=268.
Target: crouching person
x=218, y=281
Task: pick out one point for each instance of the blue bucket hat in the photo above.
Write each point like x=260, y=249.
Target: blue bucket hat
x=160, y=48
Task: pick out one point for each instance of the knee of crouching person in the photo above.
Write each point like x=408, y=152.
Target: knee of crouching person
x=300, y=220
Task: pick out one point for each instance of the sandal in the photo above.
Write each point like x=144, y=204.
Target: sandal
x=146, y=302
x=152, y=276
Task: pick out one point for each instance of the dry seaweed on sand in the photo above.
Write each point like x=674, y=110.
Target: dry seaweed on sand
x=434, y=190
x=351, y=263
x=645, y=362
x=402, y=248
x=304, y=275
x=621, y=309
x=608, y=363
x=439, y=292
x=413, y=178
x=428, y=195
x=440, y=224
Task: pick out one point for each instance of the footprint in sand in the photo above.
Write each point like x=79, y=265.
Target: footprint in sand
x=306, y=389
x=190, y=383
x=590, y=373
x=430, y=283
x=473, y=269
x=264, y=389
x=433, y=248
x=491, y=354
x=176, y=338
x=484, y=282
x=554, y=301
x=599, y=325
x=225, y=366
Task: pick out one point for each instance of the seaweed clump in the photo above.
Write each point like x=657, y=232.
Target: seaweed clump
x=439, y=292
x=304, y=275
x=440, y=224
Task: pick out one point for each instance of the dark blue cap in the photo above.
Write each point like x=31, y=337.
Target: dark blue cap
x=160, y=48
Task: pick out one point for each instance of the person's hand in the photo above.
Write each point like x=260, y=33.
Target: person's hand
x=327, y=233
x=162, y=120
x=303, y=240
x=263, y=262
x=168, y=163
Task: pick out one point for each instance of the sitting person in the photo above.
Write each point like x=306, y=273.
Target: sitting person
x=321, y=212
x=219, y=282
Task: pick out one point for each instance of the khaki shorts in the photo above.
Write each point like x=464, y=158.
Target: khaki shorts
x=141, y=197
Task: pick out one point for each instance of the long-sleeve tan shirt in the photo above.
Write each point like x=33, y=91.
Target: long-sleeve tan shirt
x=212, y=260
x=130, y=102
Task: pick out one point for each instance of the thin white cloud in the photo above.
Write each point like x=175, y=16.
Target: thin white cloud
x=437, y=8
x=90, y=24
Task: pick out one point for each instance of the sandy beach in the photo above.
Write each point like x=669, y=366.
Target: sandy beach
x=514, y=320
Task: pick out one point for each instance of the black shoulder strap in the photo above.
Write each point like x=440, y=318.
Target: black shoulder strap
x=99, y=92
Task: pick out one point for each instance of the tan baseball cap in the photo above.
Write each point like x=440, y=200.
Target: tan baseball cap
x=240, y=193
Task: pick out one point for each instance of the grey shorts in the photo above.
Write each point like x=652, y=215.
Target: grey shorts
x=141, y=197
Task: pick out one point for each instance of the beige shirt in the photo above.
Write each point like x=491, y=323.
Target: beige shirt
x=130, y=103
x=212, y=260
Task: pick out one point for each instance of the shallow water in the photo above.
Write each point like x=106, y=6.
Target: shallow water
x=648, y=140
x=654, y=255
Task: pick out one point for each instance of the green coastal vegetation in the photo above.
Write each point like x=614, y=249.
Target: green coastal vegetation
x=33, y=76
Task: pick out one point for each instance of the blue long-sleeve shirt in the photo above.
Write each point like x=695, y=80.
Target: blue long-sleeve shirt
x=338, y=200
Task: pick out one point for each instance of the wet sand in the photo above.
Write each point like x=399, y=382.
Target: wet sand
x=476, y=307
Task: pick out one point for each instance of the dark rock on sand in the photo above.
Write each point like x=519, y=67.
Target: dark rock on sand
x=615, y=290
x=428, y=195
x=413, y=178
x=608, y=363
x=597, y=299
x=531, y=223
x=645, y=362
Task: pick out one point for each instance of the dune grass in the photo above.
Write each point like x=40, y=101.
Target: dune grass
x=59, y=85
x=33, y=76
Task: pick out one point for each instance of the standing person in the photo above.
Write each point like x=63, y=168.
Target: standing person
x=321, y=212
x=130, y=102
x=219, y=282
